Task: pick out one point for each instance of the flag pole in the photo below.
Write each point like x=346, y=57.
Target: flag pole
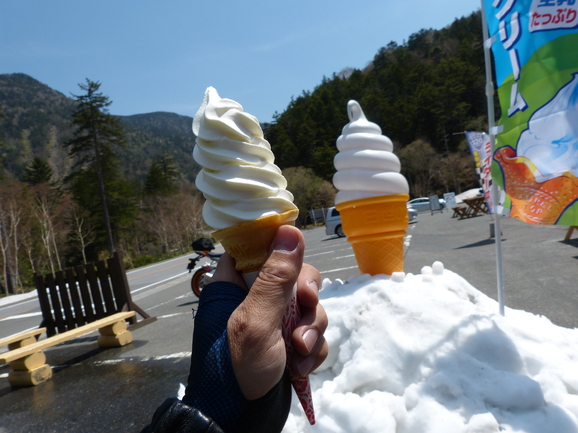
x=492, y=131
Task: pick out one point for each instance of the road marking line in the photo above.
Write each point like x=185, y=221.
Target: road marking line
x=318, y=254
x=179, y=355
x=339, y=269
x=159, y=270
x=166, y=316
x=21, y=316
x=29, y=329
x=159, y=282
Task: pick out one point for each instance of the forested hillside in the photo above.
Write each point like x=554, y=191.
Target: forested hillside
x=37, y=123
x=423, y=93
x=63, y=158
x=152, y=134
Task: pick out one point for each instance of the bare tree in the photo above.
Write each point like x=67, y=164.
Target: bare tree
x=308, y=190
x=7, y=260
x=193, y=223
x=455, y=172
x=11, y=214
x=158, y=220
x=173, y=221
x=82, y=232
x=418, y=163
x=29, y=233
x=187, y=217
x=48, y=212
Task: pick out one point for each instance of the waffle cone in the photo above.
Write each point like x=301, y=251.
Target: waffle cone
x=375, y=227
x=249, y=242
x=532, y=201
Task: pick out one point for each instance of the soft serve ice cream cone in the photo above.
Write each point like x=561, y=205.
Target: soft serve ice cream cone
x=246, y=199
x=373, y=195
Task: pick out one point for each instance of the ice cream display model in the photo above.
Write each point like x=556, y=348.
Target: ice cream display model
x=246, y=199
x=372, y=195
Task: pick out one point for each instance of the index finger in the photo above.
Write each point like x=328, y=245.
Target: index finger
x=308, y=284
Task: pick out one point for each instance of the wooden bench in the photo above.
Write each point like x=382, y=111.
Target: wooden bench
x=77, y=296
x=28, y=361
x=22, y=339
x=74, y=302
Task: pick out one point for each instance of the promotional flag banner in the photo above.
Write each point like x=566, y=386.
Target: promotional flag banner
x=535, y=48
x=481, y=148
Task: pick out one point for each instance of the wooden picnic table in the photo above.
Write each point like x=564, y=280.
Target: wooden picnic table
x=569, y=232
x=476, y=205
x=460, y=211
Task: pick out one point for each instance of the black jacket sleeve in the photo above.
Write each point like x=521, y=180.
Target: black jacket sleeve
x=176, y=417
x=265, y=415
x=212, y=387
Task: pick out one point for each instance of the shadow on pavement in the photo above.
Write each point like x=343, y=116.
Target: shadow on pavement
x=490, y=241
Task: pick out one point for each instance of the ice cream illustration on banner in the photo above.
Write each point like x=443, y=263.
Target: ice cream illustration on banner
x=372, y=197
x=541, y=174
x=246, y=199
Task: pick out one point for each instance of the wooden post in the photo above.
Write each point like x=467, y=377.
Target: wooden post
x=30, y=370
x=122, y=291
x=569, y=232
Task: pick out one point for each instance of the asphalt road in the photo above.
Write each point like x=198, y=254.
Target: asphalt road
x=95, y=390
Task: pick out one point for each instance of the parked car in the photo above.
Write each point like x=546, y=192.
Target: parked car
x=421, y=204
x=411, y=213
x=333, y=221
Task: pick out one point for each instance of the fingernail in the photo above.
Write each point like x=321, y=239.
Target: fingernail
x=310, y=338
x=306, y=365
x=286, y=240
x=313, y=285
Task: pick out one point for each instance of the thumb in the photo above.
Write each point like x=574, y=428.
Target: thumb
x=274, y=284
x=255, y=328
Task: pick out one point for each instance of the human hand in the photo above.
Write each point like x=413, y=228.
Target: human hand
x=254, y=329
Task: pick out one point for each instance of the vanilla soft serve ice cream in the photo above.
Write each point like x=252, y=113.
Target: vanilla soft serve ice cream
x=366, y=166
x=239, y=180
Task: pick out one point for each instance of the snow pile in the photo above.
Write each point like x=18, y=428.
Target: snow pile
x=430, y=353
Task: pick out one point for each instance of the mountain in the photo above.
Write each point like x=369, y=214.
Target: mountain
x=149, y=135
x=38, y=118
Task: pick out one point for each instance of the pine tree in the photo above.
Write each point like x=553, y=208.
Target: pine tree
x=161, y=177
x=37, y=171
x=93, y=148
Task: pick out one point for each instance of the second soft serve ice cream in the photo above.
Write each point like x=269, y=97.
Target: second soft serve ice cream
x=373, y=194
x=366, y=166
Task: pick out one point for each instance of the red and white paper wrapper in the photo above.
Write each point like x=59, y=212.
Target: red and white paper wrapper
x=300, y=384
x=291, y=318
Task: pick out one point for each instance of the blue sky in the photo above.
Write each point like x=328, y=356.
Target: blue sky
x=160, y=56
